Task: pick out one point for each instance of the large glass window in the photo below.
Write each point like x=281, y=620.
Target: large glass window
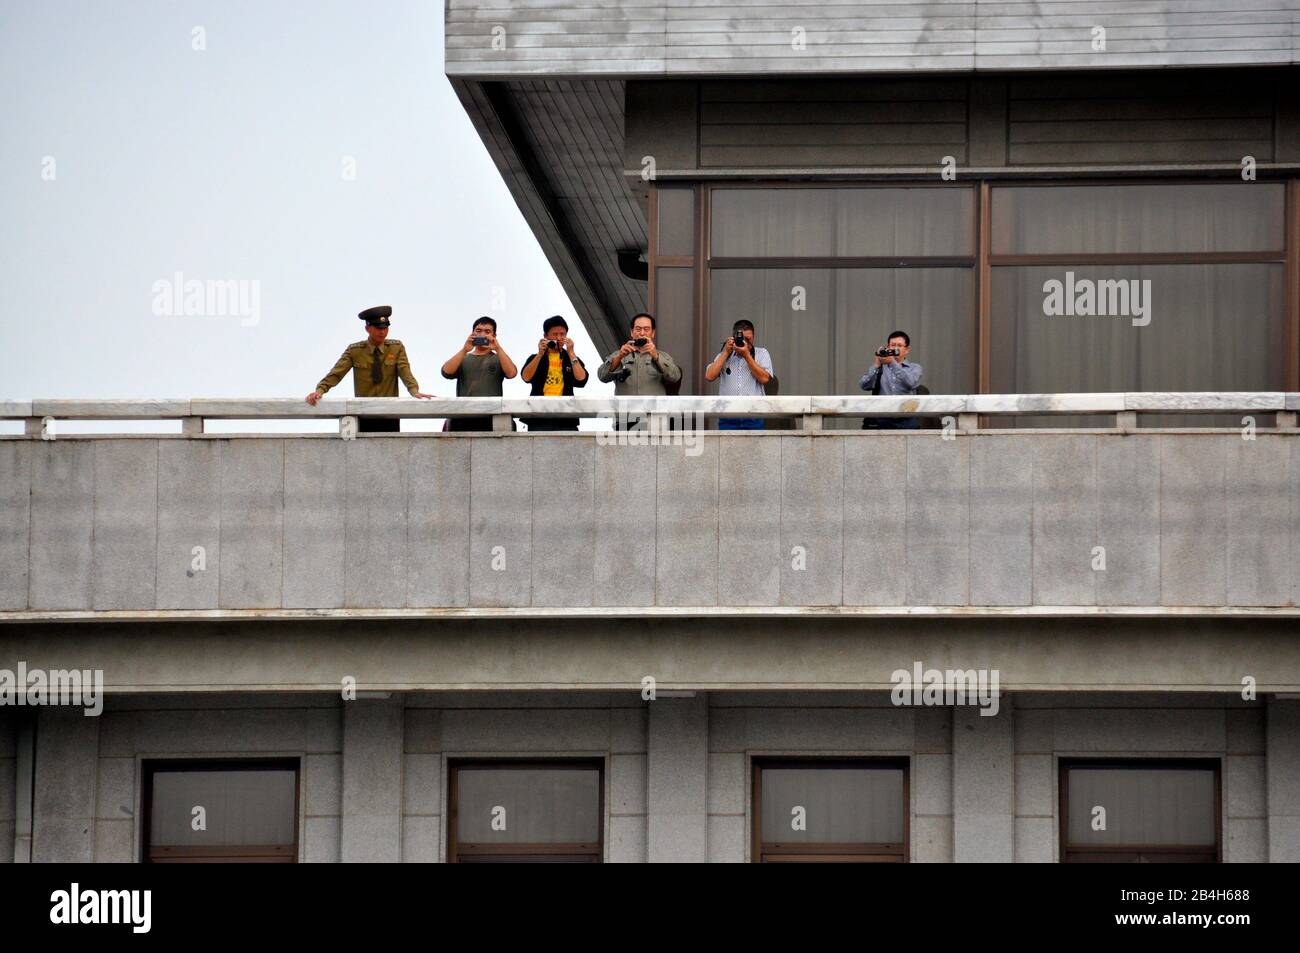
x=1081, y=287
x=826, y=273
x=1140, y=812
x=221, y=811
x=847, y=811
x=1113, y=219
x=1097, y=288
x=821, y=325
x=674, y=312
x=503, y=811
x=1205, y=327
x=842, y=222
x=676, y=222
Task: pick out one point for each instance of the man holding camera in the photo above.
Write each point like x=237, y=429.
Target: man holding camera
x=554, y=371
x=638, y=368
x=478, y=369
x=745, y=370
x=892, y=374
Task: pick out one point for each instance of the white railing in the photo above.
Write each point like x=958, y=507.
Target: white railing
x=965, y=411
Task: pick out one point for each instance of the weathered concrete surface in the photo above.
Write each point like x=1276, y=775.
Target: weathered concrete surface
x=677, y=761
x=810, y=652
x=995, y=520
x=635, y=38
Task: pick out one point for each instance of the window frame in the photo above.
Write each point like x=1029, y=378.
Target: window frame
x=243, y=853
x=1286, y=256
x=1133, y=853
x=983, y=260
x=703, y=263
x=776, y=852
x=455, y=848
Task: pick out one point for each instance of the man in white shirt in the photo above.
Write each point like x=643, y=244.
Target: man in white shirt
x=744, y=370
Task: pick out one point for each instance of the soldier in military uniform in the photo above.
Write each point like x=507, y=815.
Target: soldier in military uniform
x=376, y=364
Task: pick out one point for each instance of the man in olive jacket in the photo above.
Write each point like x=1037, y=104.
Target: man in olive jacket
x=638, y=368
x=376, y=364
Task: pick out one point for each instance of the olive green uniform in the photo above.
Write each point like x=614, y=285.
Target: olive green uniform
x=360, y=359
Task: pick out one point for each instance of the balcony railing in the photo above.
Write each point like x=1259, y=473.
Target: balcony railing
x=965, y=411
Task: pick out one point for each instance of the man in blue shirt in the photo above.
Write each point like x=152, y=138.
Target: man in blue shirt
x=744, y=370
x=891, y=375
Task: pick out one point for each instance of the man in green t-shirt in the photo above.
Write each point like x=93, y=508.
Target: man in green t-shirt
x=478, y=369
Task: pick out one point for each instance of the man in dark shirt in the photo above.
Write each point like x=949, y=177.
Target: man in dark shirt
x=554, y=371
x=478, y=369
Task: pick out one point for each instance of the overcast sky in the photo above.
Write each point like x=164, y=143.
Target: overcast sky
x=314, y=152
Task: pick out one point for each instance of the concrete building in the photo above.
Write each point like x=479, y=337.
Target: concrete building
x=696, y=648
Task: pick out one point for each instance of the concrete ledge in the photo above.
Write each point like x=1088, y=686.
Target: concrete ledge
x=1081, y=655
x=659, y=612
x=111, y=409
x=885, y=406
x=709, y=406
x=998, y=404
x=236, y=408
x=1226, y=402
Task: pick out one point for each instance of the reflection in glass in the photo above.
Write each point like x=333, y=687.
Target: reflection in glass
x=675, y=319
x=826, y=346
x=844, y=222
x=1143, y=806
x=676, y=221
x=534, y=805
x=1212, y=328
x=1039, y=220
x=241, y=808
x=837, y=805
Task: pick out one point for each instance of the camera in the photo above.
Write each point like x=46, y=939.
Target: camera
x=740, y=339
x=480, y=342
x=551, y=345
x=640, y=342
x=887, y=352
x=622, y=374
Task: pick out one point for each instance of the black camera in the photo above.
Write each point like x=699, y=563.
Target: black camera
x=480, y=342
x=740, y=339
x=640, y=342
x=622, y=374
x=551, y=345
x=887, y=352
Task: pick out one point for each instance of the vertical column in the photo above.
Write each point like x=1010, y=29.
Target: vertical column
x=677, y=779
x=372, y=780
x=1282, y=766
x=983, y=785
x=63, y=802
x=17, y=740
